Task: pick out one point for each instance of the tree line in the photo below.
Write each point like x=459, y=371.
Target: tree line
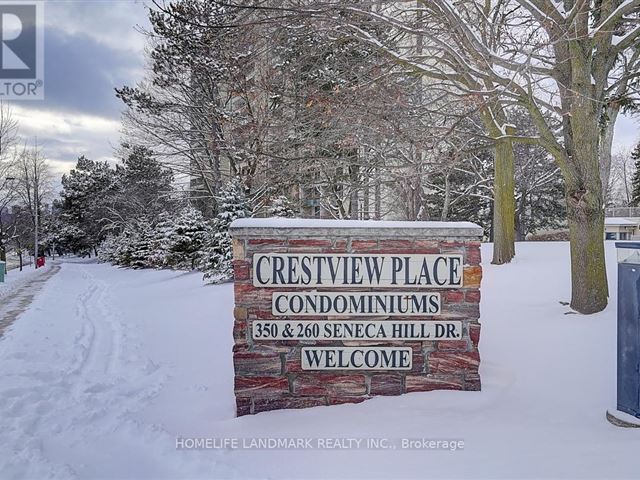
x=406, y=109
x=26, y=183
x=500, y=112
x=135, y=215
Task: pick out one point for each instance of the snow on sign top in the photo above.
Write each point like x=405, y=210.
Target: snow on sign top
x=256, y=226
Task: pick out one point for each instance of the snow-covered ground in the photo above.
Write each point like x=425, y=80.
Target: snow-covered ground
x=15, y=278
x=13, y=261
x=109, y=366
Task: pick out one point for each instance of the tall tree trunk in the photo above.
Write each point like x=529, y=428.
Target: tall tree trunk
x=367, y=199
x=504, y=209
x=354, y=177
x=447, y=197
x=504, y=197
x=589, y=290
x=585, y=213
x=378, y=195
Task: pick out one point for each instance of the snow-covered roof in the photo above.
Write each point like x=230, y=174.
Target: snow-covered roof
x=619, y=221
x=254, y=226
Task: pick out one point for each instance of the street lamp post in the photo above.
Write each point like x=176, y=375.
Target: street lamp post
x=8, y=182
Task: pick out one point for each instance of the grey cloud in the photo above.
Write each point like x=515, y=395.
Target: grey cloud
x=111, y=22
x=81, y=74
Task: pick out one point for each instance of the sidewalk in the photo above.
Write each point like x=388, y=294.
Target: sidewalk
x=19, y=290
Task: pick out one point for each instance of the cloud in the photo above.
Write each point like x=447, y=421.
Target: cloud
x=64, y=136
x=112, y=23
x=81, y=74
x=90, y=48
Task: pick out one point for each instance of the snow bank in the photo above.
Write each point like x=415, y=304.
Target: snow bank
x=15, y=278
x=109, y=366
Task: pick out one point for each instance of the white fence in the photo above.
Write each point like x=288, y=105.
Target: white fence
x=622, y=212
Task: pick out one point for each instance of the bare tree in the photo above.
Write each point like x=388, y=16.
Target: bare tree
x=560, y=61
x=428, y=42
x=619, y=190
x=8, y=180
x=35, y=185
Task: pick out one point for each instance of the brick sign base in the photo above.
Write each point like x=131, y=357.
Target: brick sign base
x=269, y=373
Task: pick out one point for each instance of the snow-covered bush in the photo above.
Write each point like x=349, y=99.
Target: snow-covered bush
x=217, y=256
x=132, y=248
x=216, y=263
x=143, y=241
x=107, y=249
x=181, y=238
x=175, y=241
x=281, y=206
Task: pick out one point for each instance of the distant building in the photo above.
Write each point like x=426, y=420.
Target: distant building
x=621, y=228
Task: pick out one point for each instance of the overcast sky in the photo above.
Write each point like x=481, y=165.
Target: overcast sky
x=91, y=47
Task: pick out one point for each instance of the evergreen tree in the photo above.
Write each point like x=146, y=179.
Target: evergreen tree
x=143, y=185
x=181, y=238
x=281, y=206
x=50, y=233
x=107, y=251
x=133, y=248
x=191, y=53
x=97, y=200
x=217, y=259
x=83, y=204
x=233, y=204
x=142, y=245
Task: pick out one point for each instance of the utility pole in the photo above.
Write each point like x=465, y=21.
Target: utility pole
x=36, y=201
x=35, y=242
x=36, y=195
